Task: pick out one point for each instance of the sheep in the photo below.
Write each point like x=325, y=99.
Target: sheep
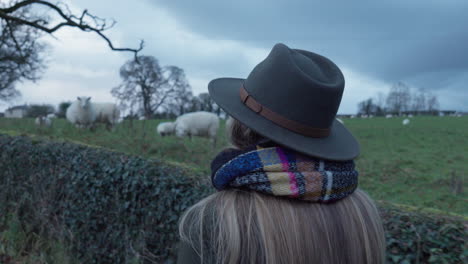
x=51, y=115
x=389, y=116
x=84, y=114
x=43, y=121
x=81, y=113
x=406, y=121
x=203, y=124
x=410, y=116
x=165, y=128
x=107, y=113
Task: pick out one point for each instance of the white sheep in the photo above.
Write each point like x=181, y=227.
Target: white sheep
x=389, y=116
x=165, y=128
x=51, y=115
x=84, y=114
x=106, y=113
x=406, y=121
x=43, y=121
x=202, y=124
x=81, y=112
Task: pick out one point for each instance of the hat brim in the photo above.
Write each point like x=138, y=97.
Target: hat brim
x=340, y=145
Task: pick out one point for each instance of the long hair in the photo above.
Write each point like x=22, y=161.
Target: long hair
x=235, y=226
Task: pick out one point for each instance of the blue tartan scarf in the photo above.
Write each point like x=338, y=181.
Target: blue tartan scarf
x=279, y=171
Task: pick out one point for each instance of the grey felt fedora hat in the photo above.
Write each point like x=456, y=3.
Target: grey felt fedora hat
x=292, y=98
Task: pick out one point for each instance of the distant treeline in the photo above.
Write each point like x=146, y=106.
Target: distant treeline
x=401, y=100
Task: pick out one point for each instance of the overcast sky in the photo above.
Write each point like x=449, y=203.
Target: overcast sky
x=421, y=42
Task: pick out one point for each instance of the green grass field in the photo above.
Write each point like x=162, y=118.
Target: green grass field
x=418, y=165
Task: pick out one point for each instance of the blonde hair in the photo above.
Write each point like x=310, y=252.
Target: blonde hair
x=236, y=226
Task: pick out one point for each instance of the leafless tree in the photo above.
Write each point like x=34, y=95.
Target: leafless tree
x=85, y=21
x=419, y=100
x=207, y=104
x=22, y=53
x=380, y=101
x=182, y=91
x=180, y=103
x=144, y=81
x=399, y=98
x=432, y=104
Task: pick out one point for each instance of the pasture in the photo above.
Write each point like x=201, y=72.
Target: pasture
x=423, y=164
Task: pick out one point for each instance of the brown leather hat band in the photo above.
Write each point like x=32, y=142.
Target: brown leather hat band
x=294, y=126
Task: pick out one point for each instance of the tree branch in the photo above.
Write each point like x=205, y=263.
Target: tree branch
x=69, y=21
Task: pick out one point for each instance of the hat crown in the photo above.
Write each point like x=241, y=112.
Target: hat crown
x=299, y=85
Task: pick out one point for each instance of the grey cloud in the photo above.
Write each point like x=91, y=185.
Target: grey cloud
x=392, y=41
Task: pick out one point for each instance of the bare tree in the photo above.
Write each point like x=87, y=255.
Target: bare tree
x=145, y=82
x=84, y=22
x=419, y=100
x=21, y=52
x=380, y=101
x=182, y=91
x=432, y=104
x=399, y=98
x=21, y=55
x=180, y=104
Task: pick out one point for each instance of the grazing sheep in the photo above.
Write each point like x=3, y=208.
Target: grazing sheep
x=43, y=121
x=410, y=115
x=106, y=113
x=406, y=121
x=165, y=128
x=81, y=112
x=202, y=124
x=352, y=116
x=52, y=115
x=84, y=114
x=389, y=116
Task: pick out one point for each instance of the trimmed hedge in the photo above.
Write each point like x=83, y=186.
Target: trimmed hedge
x=111, y=208
x=114, y=208
x=420, y=238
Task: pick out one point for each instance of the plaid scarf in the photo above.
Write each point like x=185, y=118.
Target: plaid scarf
x=283, y=172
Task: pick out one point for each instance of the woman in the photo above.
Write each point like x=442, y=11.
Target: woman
x=287, y=192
